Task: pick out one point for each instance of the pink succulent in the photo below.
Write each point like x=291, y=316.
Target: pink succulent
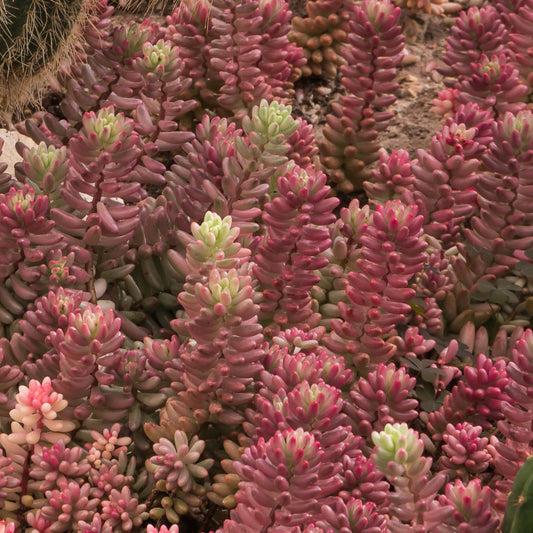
x=68, y=505
x=465, y=507
x=122, y=511
x=378, y=290
x=520, y=40
x=363, y=481
x=513, y=450
x=464, y=451
x=56, y=465
x=376, y=45
x=106, y=445
x=480, y=397
x=286, y=368
x=286, y=474
x=175, y=465
x=9, y=527
x=475, y=32
x=380, y=399
x=297, y=222
x=494, y=84
x=353, y=515
x=392, y=176
x=35, y=416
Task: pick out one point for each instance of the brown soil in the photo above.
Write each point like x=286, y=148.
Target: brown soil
x=414, y=124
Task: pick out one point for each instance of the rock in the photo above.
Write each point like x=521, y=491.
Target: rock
x=9, y=153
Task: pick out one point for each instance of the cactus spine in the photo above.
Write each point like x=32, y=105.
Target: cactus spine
x=35, y=37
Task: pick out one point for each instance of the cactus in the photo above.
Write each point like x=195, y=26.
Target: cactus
x=35, y=37
x=519, y=512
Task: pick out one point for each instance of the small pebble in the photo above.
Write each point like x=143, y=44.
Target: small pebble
x=9, y=153
x=410, y=59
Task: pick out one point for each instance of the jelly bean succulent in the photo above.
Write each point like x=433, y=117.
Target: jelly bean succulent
x=218, y=314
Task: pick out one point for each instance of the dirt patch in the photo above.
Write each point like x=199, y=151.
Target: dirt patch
x=414, y=123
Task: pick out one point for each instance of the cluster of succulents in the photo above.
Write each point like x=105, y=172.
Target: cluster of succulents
x=196, y=335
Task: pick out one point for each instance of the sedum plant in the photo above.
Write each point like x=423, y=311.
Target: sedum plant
x=398, y=454
x=198, y=335
x=374, y=49
x=322, y=35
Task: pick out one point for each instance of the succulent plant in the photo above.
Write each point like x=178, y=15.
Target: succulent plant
x=379, y=292
x=374, y=50
x=494, y=84
x=381, y=399
x=398, y=454
x=37, y=37
x=520, y=39
x=475, y=32
x=304, y=484
x=444, y=182
x=197, y=334
x=297, y=219
x=322, y=35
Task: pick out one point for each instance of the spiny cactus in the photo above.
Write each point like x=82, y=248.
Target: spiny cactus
x=36, y=36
